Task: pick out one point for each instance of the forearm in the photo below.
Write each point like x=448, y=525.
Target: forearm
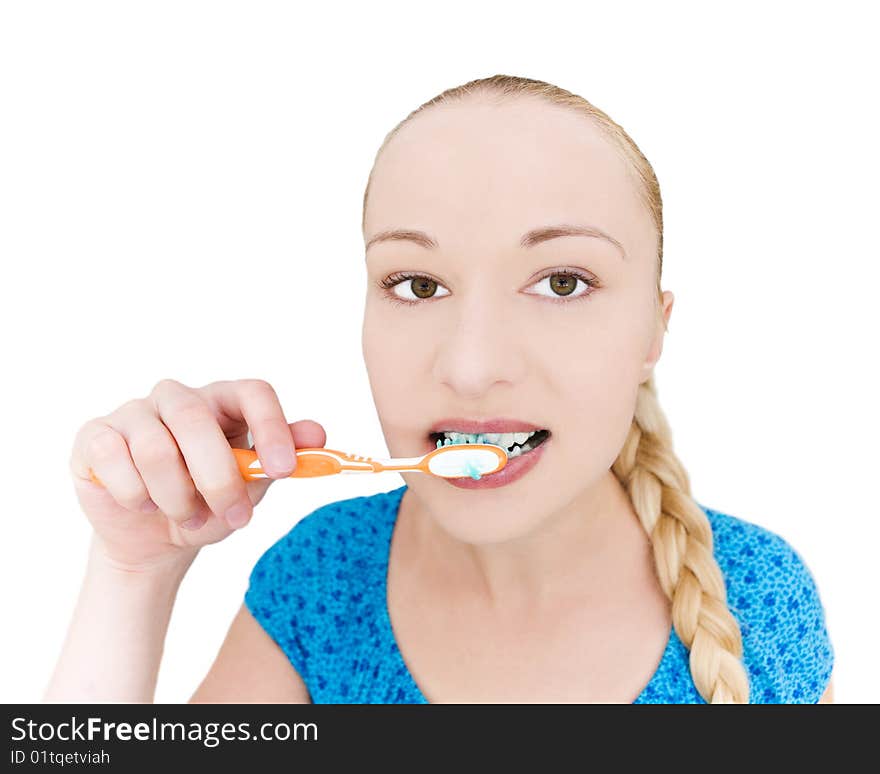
x=114, y=643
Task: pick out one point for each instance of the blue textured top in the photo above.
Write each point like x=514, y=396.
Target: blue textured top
x=320, y=593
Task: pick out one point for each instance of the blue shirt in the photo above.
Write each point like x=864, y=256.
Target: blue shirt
x=320, y=593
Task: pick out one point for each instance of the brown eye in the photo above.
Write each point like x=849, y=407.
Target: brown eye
x=562, y=284
x=423, y=287
x=420, y=286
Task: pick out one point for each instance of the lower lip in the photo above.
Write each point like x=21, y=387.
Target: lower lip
x=515, y=469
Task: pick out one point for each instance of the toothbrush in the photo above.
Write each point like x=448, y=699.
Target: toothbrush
x=451, y=461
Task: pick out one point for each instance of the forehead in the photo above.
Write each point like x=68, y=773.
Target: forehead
x=481, y=172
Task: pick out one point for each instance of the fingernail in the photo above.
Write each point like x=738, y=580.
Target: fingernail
x=149, y=506
x=237, y=516
x=195, y=522
x=280, y=459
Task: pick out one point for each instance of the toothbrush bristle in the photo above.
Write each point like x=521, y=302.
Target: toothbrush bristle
x=469, y=468
x=472, y=470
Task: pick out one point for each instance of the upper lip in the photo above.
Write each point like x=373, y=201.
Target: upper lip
x=496, y=425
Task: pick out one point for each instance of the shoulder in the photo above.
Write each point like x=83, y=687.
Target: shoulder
x=343, y=534
x=307, y=587
x=773, y=595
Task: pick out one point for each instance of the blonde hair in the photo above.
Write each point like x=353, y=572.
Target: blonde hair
x=647, y=467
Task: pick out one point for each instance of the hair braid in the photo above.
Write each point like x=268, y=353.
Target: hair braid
x=681, y=535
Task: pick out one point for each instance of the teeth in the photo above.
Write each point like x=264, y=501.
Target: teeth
x=519, y=441
x=505, y=440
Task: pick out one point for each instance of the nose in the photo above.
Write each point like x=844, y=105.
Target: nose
x=483, y=345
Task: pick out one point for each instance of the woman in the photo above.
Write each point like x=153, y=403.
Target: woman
x=513, y=240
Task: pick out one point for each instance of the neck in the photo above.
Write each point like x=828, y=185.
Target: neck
x=592, y=545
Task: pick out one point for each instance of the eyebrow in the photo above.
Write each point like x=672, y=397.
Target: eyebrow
x=529, y=239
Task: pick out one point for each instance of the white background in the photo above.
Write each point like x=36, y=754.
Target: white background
x=180, y=196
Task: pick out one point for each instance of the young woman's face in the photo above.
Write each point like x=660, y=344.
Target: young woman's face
x=492, y=328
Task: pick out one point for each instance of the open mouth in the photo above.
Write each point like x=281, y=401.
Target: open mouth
x=516, y=444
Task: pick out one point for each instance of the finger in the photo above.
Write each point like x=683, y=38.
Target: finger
x=308, y=434
x=102, y=449
x=158, y=460
x=257, y=403
x=205, y=451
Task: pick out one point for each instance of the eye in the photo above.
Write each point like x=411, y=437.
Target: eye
x=562, y=284
x=419, y=286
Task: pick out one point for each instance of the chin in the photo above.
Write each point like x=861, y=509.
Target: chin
x=491, y=521
x=486, y=516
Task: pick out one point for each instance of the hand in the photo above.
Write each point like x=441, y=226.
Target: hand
x=171, y=482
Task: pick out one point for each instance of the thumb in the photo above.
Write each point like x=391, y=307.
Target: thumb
x=307, y=434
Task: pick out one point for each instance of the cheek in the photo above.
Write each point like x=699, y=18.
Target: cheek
x=381, y=358
x=391, y=348
x=598, y=402
x=391, y=356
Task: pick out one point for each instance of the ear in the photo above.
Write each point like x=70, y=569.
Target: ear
x=657, y=341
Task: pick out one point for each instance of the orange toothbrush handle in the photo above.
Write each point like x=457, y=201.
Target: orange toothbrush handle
x=310, y=462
